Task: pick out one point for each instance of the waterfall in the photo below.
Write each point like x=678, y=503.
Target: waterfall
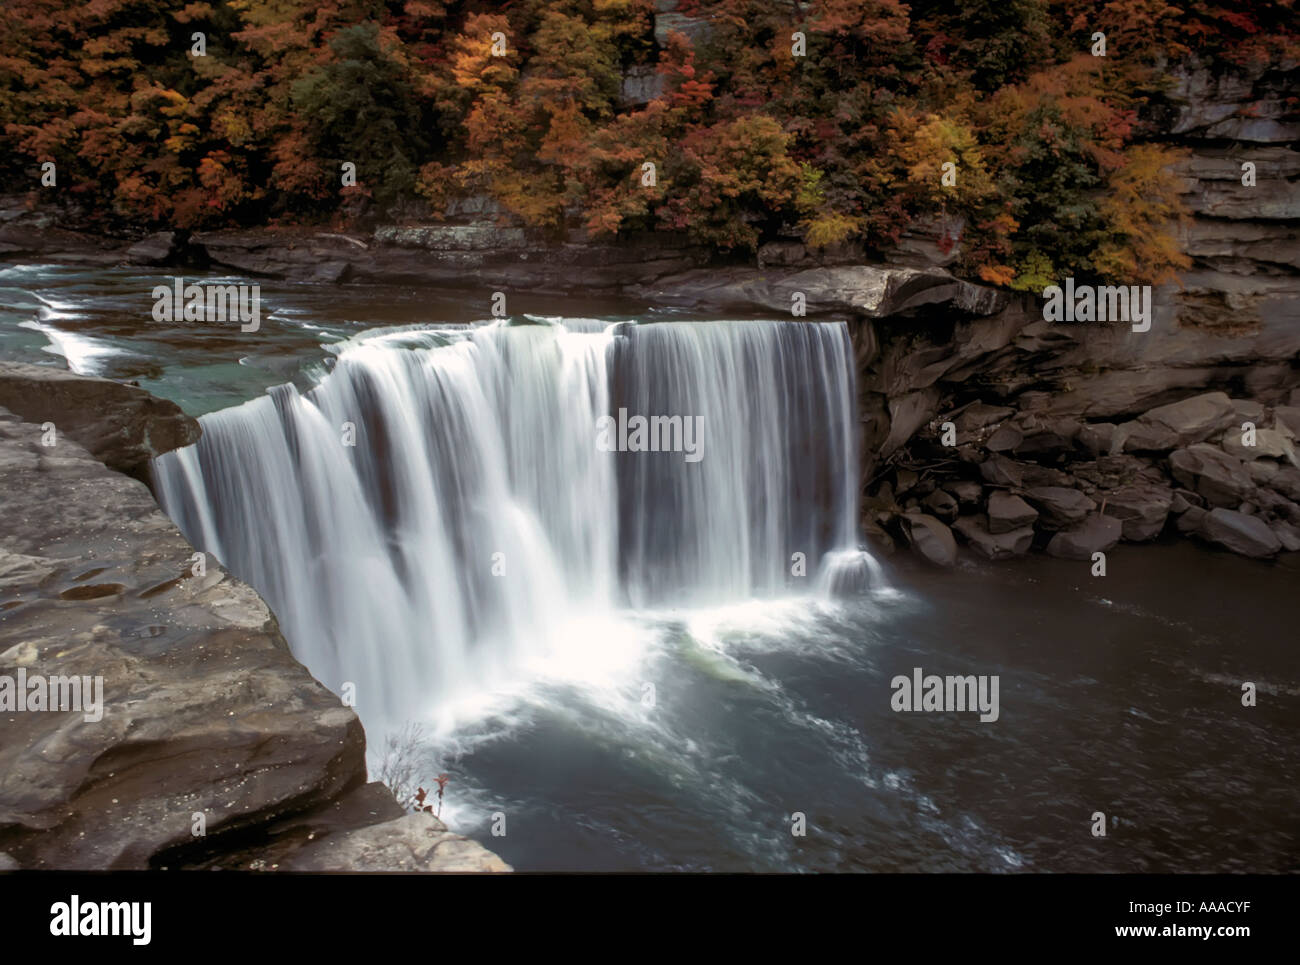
x=438, y=507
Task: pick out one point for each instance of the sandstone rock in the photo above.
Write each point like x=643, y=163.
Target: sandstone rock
x=1179, y=424
x=1288, y=534
x=1178, y=504
x=1096, y=437
x=1004, y=439
x=942, y=504
x=1096, y=534
x=1246, y=535
x=1286, y=419
x=1261, y=471
x=413, y=842
x=1142, y=508
x=1287, y=482
x=204, y=709
x=979, y=415
x=122, y=426
x=930, y=538
x=1041, y=435
x=1191, y=519
x=870, y=290
x=1212, y=473
x=1001, y=471
x=1060, y=507
x=967, y=492
x=1008, y=513
x=994, y=546
x=1269, y=444
x=157, y=249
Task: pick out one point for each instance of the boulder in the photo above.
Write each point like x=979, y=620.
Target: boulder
x=1096, y=534
x=1288, y=534
x=967, y=492
x=1179, y=424
x=994, y=546
x=1269, y=444
x=122, y=426
x=978, y=415
x=1246, y=535
x=1058, y=506
x=930, y=538
x=157, y=249
x=1001, y=471
x=1286, y=419
x=1142, y=508
x=1261, y=471
x=413, y=842
x=1220, y=478
x=1008, y=512
x=1043, y=435
x=1004, y=439
x=1191, y=519
x=1287, y=482
x=942, y=504
x=1096, y=437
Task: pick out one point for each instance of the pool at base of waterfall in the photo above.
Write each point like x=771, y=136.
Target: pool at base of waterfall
x=763, y=736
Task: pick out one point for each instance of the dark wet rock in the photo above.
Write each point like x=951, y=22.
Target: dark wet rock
x=1001, y=471
x=1059, y=507
x=1096, y=437
x=1178, y=502
x=942, y=504
x=1191, y=519
x=1209, y=471
x=1286, y=419
x=967, y=492
x=1179, y=424
x=1041, y=435
x=979, y=415
x=994, y=546
x=122, y=426
x=1142, y=507
x=1288, y=535
x=1240, y=533
x=1096, y=534
x=1261, y=471
x=1004, y=439
x=1287, y=482
x=1007, y=513
x=930, y=538
x=157, y=249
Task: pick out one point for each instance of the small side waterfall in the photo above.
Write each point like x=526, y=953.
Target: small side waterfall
x=439, y=506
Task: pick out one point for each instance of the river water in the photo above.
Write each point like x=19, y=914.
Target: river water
x=614, y=656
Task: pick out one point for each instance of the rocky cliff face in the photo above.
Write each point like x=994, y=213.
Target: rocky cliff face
x=204, y=718
x=1072, y=437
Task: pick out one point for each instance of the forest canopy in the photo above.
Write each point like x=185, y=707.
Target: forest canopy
x=833, y=119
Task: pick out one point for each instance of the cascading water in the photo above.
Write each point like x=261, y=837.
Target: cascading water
x=437, y=509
